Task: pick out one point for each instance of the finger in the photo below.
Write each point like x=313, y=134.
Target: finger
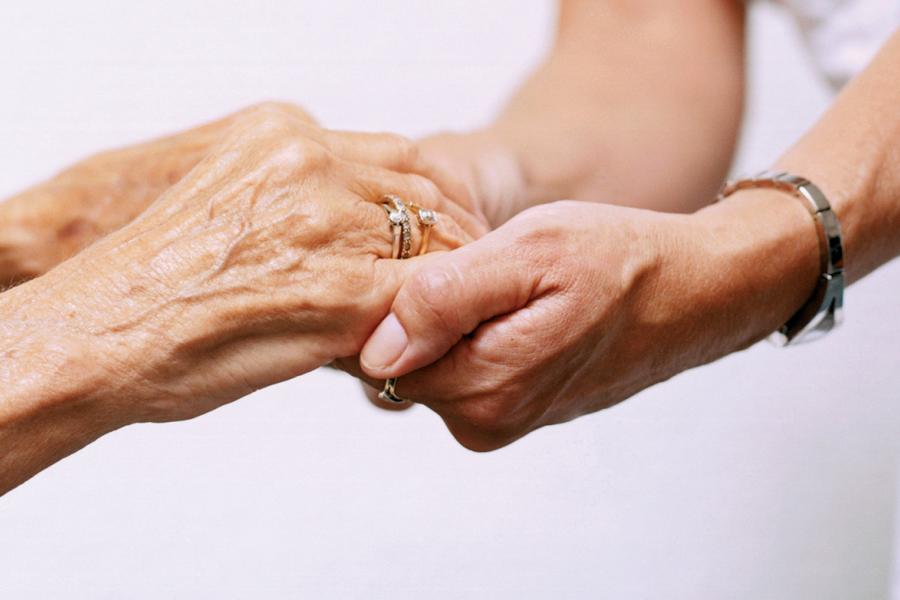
x=388, y=150
x=261, y=120
x=462, y=389
x=447, y=299
x=399, y=153
x=370, y=387
x=374, y=182
x=288, y=108
x=415, y=388
x=376, y=226
x=373, y=397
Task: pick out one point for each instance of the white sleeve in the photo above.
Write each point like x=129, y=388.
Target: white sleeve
x=844, y=35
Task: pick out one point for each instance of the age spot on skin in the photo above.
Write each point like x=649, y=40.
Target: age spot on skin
x=74, y=229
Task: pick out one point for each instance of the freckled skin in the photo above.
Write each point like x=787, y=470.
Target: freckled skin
x=50, y=222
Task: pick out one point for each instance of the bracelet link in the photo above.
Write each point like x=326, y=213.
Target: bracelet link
x=824, y=309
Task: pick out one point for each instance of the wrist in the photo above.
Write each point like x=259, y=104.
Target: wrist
x=52, y=364
x=56, y=393
x=862, y=195
x=851, y=155
x=761, y=250
x=488, y=166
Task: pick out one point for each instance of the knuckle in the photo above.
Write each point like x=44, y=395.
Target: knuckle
x=262, y=113
x=262, y=128
x=477, y=443
x=271, y=108
x=426, y=191
x=539, y=235
x=489, y=418
x=480, y=437
x=542, y=241
x=500, y=414
x=432, y=291
x=406, y=150
x=288, y=155
x=286, y=110
x=271, y=117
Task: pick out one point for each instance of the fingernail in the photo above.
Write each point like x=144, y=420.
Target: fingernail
x=386, y=344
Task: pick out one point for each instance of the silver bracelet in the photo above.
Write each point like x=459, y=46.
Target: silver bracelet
x=824, y=309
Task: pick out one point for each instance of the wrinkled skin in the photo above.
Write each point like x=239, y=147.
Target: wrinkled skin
x=269, y=258
x=54, y=220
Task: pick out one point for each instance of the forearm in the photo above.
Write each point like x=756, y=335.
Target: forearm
x=51, y=221
x=763, y=244
x=637, y=104
x=853, y=154
x=51, y=380
x=48, y=223
x=571, y=307
x=44, y=225
x=23, y=240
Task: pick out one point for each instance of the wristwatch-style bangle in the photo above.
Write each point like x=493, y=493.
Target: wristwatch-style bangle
x=824, y=309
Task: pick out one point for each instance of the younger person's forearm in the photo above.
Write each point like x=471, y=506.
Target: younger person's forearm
x=763, y=245
x=637, y=104
x=853, y=154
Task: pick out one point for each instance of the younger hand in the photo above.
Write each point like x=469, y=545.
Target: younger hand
x=572, y=307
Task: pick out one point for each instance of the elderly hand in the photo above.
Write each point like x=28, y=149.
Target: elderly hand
x=46, y=224
x=268, y=259
x=572, y=307
x=52, y=221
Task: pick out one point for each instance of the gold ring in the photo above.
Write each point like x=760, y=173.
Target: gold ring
x=427, y=219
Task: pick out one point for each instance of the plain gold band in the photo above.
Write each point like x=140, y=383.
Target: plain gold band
x=426, y=234
x=427, y=220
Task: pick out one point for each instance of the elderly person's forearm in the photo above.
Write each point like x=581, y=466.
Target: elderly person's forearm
x=853, y=153
x=49, y=222
x=58, y=382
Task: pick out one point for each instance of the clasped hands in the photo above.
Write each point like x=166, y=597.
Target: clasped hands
x=185, y=273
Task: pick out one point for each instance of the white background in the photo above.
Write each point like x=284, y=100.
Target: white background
x=770, y=474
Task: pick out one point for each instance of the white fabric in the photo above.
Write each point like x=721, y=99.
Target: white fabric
x=844, y=35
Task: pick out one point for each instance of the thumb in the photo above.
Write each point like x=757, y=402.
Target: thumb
x=446, y=299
